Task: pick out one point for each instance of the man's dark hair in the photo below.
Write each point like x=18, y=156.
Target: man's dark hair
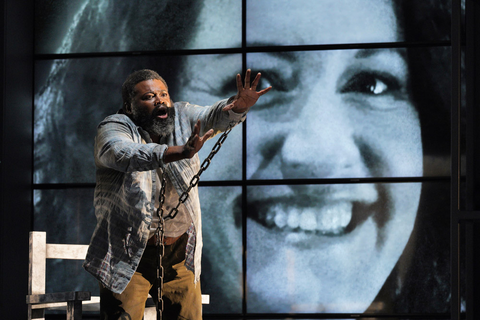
x=128, y=87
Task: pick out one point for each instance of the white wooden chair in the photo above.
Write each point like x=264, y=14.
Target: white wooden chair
x=74, y=302
x=37, y=299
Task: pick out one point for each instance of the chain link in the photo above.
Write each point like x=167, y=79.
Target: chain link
x=160, y=244
x=196, y=178
x=160, y=231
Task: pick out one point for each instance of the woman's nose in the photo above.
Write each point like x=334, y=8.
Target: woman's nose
x=322, y=143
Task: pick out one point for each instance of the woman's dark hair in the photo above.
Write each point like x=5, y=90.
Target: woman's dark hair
x=88, y=91
x=420, y=282
x=126, y=26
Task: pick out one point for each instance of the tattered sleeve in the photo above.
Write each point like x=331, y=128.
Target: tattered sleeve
x=119, y=147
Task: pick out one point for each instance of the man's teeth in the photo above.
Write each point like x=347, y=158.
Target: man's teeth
x=329, y=219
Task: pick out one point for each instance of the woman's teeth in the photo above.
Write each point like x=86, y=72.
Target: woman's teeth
x=329, y=219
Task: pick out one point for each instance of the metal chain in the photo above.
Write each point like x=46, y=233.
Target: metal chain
x=160, y=234
x=160, y=231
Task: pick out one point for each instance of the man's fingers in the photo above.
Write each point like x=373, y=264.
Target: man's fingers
x=255, y=81
x=262, y=92
x=229, y=106
x=247, y=79
x=196, y=128
x=239, y=82
x=193, y=138
x=207, y=135
x=195, y=132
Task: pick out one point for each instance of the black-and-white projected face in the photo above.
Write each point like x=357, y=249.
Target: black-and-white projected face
x=318, y=239
x=331, y=114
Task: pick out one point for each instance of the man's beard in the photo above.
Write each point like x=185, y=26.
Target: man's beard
x=152, y=124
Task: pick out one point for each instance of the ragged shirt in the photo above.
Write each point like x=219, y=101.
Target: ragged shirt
x=126, y=160
x=173, y=227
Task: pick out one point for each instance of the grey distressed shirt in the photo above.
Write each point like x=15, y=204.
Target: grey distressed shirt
x=126, y=161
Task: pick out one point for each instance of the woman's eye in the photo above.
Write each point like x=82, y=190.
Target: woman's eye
x=275, y=105
x=226, y=89
x=263, y=83
x=377, y=87
x=268, y=78
x=370, y=83
x=271, y=78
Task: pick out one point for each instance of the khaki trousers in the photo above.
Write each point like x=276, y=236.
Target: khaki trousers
x=182, y=298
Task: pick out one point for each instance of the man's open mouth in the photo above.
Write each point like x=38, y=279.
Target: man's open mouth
x=161, y=112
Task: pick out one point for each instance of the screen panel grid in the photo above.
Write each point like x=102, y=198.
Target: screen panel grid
x=358, y=120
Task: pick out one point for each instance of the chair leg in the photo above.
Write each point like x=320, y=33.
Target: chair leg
x=74, y=310
x=36, y=314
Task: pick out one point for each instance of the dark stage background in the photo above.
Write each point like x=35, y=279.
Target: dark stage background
x=335, y=193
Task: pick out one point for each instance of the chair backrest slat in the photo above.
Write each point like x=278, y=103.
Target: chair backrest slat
x=37, y=263
x=66, y=251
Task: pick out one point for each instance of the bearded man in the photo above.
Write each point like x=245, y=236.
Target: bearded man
x=150, y=139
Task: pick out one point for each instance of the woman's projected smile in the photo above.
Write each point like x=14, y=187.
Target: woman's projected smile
x=331, y=114
x=349, y=116
x=332, y=197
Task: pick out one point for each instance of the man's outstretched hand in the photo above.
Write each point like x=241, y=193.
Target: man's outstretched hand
x=195, y=142
x=247, y=95
x=188, y=150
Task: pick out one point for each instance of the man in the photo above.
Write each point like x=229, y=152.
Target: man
x=152, y=138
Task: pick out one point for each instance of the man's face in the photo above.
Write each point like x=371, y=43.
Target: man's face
x=152, y=108
x=332, y=114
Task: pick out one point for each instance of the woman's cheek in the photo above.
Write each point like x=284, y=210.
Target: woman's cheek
x=263, y=146
x=254, y=144
x=395, y=138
